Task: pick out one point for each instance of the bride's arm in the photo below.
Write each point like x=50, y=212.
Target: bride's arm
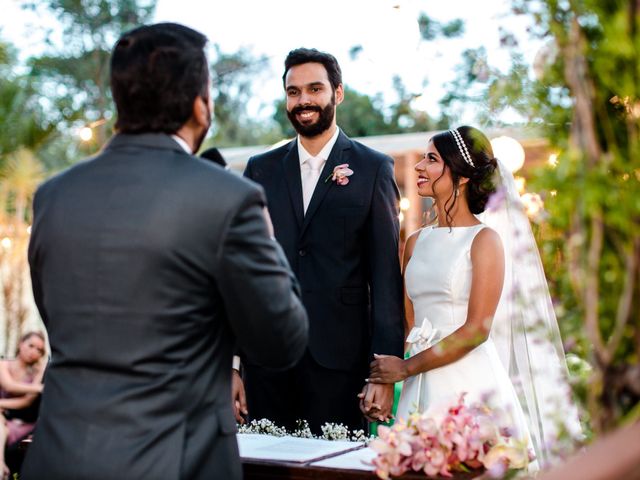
x=487, y=260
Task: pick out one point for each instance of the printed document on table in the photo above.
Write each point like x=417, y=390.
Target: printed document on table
x=290, y=449
x=354, y=460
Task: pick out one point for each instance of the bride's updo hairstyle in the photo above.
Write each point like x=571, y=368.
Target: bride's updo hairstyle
x=467, y=152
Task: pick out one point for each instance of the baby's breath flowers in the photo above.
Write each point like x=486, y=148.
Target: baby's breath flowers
x=330, y=431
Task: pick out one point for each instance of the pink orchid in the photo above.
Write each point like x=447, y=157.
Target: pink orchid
x=341, y=174
x=465, y=437
x=437, y=462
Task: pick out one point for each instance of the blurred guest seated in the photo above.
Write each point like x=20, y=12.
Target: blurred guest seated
x=20, y=388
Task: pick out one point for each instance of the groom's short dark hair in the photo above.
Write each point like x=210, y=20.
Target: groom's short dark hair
x=300, y=56
x=157, y=71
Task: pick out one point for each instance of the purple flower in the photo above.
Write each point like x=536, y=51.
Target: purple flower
x=497, y=199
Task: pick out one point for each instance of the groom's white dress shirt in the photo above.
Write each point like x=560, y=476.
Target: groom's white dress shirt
x=311, y=166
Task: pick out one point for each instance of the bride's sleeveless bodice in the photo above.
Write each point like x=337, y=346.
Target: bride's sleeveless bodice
x=438, y=282
x=438, y=277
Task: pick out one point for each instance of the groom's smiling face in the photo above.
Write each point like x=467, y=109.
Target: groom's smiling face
x=311, y=100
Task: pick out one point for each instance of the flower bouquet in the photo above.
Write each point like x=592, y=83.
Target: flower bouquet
x=466, y=438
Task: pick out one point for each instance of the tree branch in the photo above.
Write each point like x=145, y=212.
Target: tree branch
x=576, y=272
x=592, y=290
x=626, y=297
x=576, y=72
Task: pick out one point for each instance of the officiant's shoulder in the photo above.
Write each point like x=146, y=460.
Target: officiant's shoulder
x=220, y=183
x=67, y=174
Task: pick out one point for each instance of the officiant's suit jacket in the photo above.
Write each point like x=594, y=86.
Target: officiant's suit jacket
x=344, y=250
x=148, y=264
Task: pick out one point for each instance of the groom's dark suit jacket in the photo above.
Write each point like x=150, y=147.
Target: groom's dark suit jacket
x=148, y=264
x=344, y=250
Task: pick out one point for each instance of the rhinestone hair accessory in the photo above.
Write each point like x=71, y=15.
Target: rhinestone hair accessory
x=461, y=146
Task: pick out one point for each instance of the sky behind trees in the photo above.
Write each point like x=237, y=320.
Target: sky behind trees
x=387, y=32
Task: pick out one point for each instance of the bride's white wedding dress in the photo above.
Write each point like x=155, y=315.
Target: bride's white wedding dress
x=438, y=282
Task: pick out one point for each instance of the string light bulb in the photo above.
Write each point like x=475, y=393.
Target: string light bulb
x=509, y=151
x=85, y=134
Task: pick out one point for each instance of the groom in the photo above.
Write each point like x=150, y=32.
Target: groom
x=340, y=234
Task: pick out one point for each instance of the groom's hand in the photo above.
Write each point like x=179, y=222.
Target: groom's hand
x=238, y=396
x=376, y=402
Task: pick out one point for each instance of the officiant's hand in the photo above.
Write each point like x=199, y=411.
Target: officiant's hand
x=238, y=396
x=387, y=369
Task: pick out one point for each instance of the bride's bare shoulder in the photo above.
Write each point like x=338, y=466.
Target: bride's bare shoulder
x=487, y=241
x=411, y=239
x=409, y=243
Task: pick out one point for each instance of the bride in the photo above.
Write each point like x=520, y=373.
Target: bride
x=479, y=315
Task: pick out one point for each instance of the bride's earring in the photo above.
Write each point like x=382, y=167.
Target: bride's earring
x=456, y=192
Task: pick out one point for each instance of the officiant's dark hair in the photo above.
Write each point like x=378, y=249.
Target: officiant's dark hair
x=481, y=174
x=157, y=71
x=300, y=56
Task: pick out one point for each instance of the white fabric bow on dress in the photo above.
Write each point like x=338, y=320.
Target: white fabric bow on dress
x=419, y=339
x=422, y=337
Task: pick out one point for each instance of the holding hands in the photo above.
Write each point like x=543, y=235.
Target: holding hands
x=376, y=398
x=376, y=402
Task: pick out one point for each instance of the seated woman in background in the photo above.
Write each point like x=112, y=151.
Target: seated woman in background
x=20, y=387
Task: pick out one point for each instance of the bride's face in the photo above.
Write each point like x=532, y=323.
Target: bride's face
x=434, y=179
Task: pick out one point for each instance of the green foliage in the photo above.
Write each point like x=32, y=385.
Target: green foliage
x=355, y=51
x=587, y=98
x=74, y=77
x=234, y=76
x=454, y=28
x=23, y=122
x=6, y=55
x=431, y=29
x=359, y=115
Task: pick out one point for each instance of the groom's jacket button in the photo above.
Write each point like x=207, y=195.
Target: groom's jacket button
x=302, y=252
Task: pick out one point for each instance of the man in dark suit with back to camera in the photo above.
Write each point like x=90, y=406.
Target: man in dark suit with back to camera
x=148, y=265
x=340, y=233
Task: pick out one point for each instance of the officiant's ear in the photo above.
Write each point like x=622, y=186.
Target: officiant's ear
x=203, y=110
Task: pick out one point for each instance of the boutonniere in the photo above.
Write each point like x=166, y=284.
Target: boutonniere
x=341, y=174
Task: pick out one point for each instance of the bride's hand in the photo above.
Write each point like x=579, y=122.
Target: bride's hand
x=387, y=369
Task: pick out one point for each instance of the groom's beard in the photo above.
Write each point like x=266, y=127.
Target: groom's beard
x=325, y=119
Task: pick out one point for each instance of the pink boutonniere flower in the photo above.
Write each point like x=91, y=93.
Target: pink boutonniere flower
x=341, y=174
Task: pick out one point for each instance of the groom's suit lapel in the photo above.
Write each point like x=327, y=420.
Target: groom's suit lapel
x=291, y=164
x=324, y=185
